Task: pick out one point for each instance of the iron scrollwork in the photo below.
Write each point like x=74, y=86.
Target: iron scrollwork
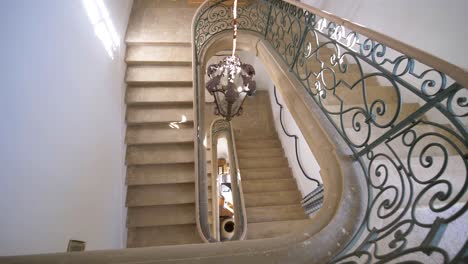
x=404, y=122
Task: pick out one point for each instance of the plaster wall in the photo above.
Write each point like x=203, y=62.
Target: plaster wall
x=62, y=133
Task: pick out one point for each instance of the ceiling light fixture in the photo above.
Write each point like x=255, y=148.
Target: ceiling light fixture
x=231, y=80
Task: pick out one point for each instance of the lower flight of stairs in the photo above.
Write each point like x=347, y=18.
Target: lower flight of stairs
x=271, y=196
x=160, y=148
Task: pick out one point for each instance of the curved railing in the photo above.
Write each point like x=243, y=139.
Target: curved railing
x=402, y=113
x=222, y=128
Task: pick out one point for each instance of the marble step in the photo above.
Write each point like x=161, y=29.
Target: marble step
x=159, y=133
x=257, y=143
x=159, y=113
x=160, y=194
x=160, y=24
x=249, y=163
x=270, y=185
x=266, y=173
x=162, y=54
x=276, y=228
x=161, y=174
x=257, y=153
x=163, y=235
x=275, y=213
x=159, y=74
x=160, y=154
x=144, y=95
x=160, y=215
x=257, y=199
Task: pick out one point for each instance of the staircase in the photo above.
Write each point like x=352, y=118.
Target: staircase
x=271, y=195
x=159, y=138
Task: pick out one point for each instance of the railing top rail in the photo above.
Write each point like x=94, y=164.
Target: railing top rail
x=459, y=74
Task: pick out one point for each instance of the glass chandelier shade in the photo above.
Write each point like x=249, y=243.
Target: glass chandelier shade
x=230, y=82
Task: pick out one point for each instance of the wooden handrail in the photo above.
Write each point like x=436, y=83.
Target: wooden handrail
x=459, y=74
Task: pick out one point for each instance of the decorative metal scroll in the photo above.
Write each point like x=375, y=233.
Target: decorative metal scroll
x=404, y=122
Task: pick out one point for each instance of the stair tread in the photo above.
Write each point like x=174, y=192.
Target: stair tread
x=141, y=95
x=264, y=153
x=161, y=174
x=160, y=25
x=275, y=213
x=159, y=133
x=257, y=143
x=162, y=53
x=257, y=199
x=275, y=228
x=162, y=74
x=163, y=235
x=160, y=194
x=160, y=154
x=268, y=185
x=270, y=162
x=160, y=215
x=266, y=173
x=159, y=114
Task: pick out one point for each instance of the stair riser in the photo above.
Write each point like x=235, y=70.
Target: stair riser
x=160, y=154
x=272, y=229
x=257, y=144
x=269, y=185
x=273, y=198
x=158, y=75
x=263, y=163
x=161, y=194
x=259, y=174
x=274, y=213
x=161, y=215
x=147, y=134
x=267, y=153
x=160, y=174
x=164, y=235
x=160, y=114
x=158, y=95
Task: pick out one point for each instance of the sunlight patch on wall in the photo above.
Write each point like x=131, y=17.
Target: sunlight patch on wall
x=103, y=26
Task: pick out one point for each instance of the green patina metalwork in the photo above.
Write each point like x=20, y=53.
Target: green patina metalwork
x=415, y=160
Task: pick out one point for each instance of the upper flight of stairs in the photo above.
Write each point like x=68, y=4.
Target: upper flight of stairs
x=160, y=158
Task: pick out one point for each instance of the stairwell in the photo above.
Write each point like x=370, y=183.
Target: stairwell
x=160, y=146
x=272, y=198
x=159, y=138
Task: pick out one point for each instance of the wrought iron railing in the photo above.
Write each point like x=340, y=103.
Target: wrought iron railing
x=402, y=113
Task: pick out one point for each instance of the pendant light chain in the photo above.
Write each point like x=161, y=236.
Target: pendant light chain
x=234, y=22
x=231, y=81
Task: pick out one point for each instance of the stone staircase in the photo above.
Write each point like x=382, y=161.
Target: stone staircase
x=160, y=155
x=271, y=195
x=160, y=147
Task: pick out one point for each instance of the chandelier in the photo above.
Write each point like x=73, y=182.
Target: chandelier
x=230, y=80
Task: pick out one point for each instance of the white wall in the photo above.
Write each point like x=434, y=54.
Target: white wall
x=62, y=129
x=437, y=27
